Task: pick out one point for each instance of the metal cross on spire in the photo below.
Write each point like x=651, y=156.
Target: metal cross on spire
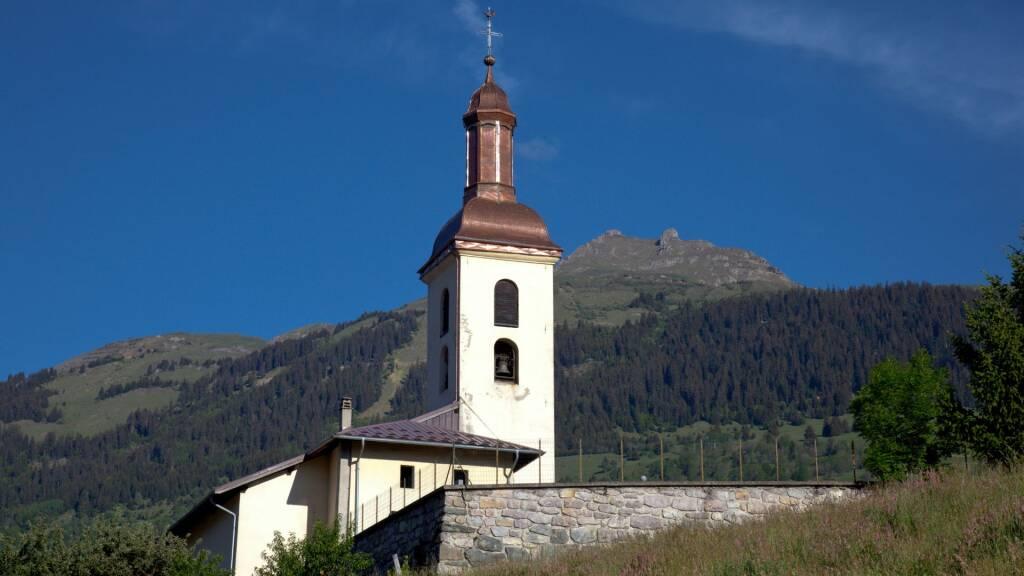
x=489, y=32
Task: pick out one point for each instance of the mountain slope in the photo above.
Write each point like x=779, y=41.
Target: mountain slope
x=224, y=406
x=609, y=280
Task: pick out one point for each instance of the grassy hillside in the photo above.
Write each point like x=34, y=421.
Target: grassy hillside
x=942, y=523
x=80, y=379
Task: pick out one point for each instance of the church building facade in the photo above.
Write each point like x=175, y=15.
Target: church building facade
x=490, y=390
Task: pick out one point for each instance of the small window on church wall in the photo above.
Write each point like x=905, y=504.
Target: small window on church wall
x=445, y=311
x=461, y=478
x=506, y=303
x=444, y=368
x=506, y=361
x=407, y=477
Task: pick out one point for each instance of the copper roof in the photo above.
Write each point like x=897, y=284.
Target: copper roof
x=493, y=222
x=489, y=102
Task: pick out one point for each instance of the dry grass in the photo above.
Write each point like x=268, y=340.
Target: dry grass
x=942, y=523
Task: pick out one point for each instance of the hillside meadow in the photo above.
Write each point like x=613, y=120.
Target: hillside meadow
x=947, y=522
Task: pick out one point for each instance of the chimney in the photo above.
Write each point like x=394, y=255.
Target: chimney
x=346, y=414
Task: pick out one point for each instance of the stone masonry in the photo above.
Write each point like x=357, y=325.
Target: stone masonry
x=457, y=527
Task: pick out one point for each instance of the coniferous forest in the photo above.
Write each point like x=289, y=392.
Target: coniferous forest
x=756, y=360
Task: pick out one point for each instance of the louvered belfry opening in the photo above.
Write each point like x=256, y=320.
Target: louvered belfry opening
x=506, y=361
x=506, y=304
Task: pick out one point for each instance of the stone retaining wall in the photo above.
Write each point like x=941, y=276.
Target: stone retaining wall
x=484, y=524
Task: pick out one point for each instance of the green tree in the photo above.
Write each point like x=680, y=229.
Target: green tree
x=993, y=352
x=323, y=552
x=897, y=412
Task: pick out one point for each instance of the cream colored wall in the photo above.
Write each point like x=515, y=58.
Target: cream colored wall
x=440, y=278
x=380, y=468
x=288, y=502
x=213, y=531
x=523, y=412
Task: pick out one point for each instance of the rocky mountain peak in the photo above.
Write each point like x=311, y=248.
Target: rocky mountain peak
x=671, y=258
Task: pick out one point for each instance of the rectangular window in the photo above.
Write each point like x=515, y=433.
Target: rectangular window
x=461, y=478
x=407, y=477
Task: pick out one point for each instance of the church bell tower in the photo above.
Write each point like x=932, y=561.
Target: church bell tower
x=490, y=320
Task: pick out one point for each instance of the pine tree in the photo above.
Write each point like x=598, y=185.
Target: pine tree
x=993, y=352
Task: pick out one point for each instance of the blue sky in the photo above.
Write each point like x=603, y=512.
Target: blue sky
x=255, y=166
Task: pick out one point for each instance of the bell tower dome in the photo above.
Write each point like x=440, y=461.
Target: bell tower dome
x=490, y=302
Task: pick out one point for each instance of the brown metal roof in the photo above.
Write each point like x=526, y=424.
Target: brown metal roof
x=412, y=432
x=446, y=417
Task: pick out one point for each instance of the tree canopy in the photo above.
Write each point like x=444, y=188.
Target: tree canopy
x=993, y=352
x=897, y=412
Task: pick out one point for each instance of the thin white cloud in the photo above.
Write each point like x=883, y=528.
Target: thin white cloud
x=537, y=148
x=469, y=14
x=966, y=64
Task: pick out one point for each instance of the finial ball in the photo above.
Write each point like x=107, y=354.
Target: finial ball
x=489, y=60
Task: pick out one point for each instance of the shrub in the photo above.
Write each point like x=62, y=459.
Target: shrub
x=107, y=547
x=323, y=552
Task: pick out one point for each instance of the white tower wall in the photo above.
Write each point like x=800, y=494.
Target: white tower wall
x=522, y=412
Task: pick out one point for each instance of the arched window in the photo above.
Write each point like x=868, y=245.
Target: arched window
x=506, y=303
x=506, y=361
x=444, y=368
x=445, y=311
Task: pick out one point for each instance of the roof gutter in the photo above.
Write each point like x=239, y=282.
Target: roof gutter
x=234, y=531
x=356, y=513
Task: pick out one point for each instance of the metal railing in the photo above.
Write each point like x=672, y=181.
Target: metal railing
x=425, y=479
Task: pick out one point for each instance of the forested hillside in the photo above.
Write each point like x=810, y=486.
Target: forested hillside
x=753, y=359
x=252, y=411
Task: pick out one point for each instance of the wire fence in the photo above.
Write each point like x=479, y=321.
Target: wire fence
x=732, y=455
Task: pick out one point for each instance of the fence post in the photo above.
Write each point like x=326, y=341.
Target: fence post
x=435, y=477
x=661, y=450
x=741, y=456
x=817, y=477
x=580, y=459
x=853, y=459
x=777, y=474
x=622, y=460
x=419, y=485
x=702, y=458
x=376, y=509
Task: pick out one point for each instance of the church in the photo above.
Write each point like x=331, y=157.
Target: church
x=490, y=391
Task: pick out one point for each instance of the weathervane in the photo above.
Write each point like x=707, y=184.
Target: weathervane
x=489, y=32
